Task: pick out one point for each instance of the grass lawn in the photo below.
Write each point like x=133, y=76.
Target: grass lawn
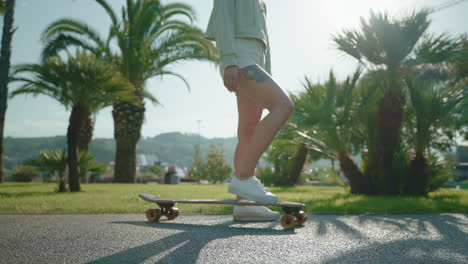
x=123, y=198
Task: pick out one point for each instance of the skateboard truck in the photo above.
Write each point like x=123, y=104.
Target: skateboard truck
x=166, y=209
x=292, y=217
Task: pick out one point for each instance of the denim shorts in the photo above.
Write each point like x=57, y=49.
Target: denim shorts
x=250, y=51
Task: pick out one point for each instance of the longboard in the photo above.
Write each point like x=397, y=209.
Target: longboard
x=293, y=215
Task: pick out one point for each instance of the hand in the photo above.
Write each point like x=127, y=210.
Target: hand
x=232, y=78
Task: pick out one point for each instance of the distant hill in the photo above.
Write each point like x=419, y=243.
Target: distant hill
x=174, y=148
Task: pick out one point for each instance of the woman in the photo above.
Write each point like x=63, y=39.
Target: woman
x=239, y=29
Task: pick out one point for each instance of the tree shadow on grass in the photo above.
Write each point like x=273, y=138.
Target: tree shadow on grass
x=295, y=189
x=347, y=203
x=9, y=185
x=185, y=246
x=432, y=239
x=27, y=194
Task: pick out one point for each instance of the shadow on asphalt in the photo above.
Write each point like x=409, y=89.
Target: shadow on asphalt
x=450, y=248
x=446, y=240
x=185, y=246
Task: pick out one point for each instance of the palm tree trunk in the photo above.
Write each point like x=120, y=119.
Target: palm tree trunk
x=125, y=161
x=419, y=175
x=298, y=164
x=360, y=184
x=62, y=185
x=389, y=122
x=2, y=123
x=84, y=141
x=77, y=119
x=128, y=120
x=5, y=56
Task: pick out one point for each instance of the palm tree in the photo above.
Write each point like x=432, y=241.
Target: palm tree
x=298, y=160
x=88, y=161
x=391, y=46
x=433, y=106
x=327, y=116
x=85, y=84
x=7, y=8
x=287, y=153
x=56, y=161
x=149, y=37
x=460, y=70
x=53, y=162
x=461, y=63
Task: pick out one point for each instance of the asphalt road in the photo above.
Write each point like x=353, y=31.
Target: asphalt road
x=128, y=238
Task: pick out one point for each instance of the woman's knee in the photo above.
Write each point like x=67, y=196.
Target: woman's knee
x=245, y=133
x=285, y=108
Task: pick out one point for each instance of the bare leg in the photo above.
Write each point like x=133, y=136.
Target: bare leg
x=259, y=87
x=249, y=114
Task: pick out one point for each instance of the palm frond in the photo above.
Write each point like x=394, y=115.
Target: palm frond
x=150, y=36
x=109, y=11
x=162, y=73
x=83, y=79
x=382, y=40
x=150, y=97
x=72, y=26
x=433, y=106
x=2, y=7
x=174, y=9
x=434, y=49
x=62, y=42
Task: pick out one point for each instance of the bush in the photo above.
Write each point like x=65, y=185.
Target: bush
x=197, y=171
x=327, y=176
x=146, y=176
x=24, y=174
x=271, y=178
x=216, y=167
x=402, y=170
x=464, y=185
x=302, y=180
x=157, y=170
x=439, y=173
x=267, y=176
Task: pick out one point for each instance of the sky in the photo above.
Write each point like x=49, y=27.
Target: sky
x=300, y=37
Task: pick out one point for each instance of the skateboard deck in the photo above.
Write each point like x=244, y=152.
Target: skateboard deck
x=293, y=215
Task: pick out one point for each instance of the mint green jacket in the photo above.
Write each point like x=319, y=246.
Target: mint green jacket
x=232, y=19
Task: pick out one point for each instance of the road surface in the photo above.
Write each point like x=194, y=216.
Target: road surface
x=193, y=238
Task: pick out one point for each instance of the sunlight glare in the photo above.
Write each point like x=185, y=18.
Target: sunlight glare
x=338, y=14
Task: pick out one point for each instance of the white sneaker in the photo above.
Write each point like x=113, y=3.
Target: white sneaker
x=254, y=213
x=252, y=189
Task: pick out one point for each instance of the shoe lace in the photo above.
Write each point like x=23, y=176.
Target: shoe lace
x=259, y=183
